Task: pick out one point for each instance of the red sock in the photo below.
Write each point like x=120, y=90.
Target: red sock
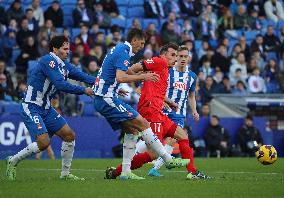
x=187, y=153
x=137, y=162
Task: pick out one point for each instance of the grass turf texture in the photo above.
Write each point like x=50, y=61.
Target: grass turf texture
x=233, y=177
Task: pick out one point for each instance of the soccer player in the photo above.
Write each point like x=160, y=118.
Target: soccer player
x=150, y=107
x=181, y=90
x=40, y=118
x=115, y=70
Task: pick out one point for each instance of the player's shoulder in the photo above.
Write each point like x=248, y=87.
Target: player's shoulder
x=122, y=49
x=48, y=61
x=192, y=74
x=157, y=60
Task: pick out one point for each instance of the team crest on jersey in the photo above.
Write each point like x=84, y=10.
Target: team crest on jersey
x=126, y=63
x=39, y=126
x=52, y=64
x=129, y=114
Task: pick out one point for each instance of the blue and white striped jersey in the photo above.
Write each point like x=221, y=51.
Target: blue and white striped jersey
x=118, y=58
x=180, y=84
x=49, y=76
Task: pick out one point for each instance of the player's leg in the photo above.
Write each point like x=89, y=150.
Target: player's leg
x=50, y=152
x=129, y=147
x=187, y=153
x=56, y=124
x=142, y=125
x=138, y=161
x=169, y=142
x=40, y=137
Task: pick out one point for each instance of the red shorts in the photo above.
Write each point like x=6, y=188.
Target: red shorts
x=161, y=124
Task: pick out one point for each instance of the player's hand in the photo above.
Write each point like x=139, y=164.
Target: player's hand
x=89, y=91
x=166, y=106
x=151, y=76
x=195, y=116
x=174, y=106
x=122, y=92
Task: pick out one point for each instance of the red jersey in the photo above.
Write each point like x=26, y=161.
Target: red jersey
x=153, y=93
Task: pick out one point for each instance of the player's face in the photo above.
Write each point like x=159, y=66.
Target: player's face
x=171, y=57
x=183, y=58
x=137, y=44
x=63, y=51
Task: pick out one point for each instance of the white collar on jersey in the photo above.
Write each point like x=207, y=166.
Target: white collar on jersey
x=59, y=61
x=130, y=51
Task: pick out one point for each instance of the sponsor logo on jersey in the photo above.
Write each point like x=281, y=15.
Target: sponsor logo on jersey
x=52, y=64
x=180, y=86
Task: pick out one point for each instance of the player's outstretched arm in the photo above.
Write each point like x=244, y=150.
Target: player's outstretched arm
x=135, y=68
x=53, y=74
x=78, y=75
x=123, y=77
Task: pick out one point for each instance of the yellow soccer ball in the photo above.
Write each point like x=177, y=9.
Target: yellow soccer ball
x=266, y=154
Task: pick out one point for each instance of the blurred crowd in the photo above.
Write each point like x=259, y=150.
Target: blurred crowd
x=236, y=46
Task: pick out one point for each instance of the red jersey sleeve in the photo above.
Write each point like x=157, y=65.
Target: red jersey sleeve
x=154, y=64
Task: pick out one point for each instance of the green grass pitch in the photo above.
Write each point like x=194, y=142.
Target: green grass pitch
x=233, y=177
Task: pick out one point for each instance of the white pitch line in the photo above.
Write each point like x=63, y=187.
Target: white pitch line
x=171, y=171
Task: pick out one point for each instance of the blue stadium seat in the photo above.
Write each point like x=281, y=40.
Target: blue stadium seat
x=281, y=24
x=146, y=22
x=129, y=23
x=16, y=52
x=232, y=43
x=271, y=55
x=59, y=30
x=198, y=44
x=11, y=108
x=68, y=20
x=46, y=2
x=251, y=35
x=136, y=12
x=123, y=11
x=133, y=3
x=213, y=43
x=122, y=2
x=68, y=9
x=74, y=32
x=68, y=2
x=119, y=22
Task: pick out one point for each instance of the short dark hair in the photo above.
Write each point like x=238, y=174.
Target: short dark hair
x=182, y=48
x=135, y=33
x=215, y=116
x=57, y=42
x=28, y=9
x=166, y=47
x=249, y=116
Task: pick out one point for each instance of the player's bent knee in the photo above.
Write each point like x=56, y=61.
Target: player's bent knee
x=180, y=134
x=145, y=123
x=70, y=136
x=43, y=142
x=153, y=155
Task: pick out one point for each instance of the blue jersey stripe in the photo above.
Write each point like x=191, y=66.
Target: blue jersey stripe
x=180, y=84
